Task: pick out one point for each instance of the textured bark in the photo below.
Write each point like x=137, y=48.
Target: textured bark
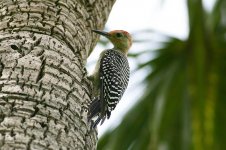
x=44, y=91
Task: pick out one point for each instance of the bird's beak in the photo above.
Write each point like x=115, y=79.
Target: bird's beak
x=106, y=34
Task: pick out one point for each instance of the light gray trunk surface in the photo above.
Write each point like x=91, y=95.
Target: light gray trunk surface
x=44, y=91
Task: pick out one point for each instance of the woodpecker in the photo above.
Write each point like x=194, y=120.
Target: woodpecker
x=110, y=77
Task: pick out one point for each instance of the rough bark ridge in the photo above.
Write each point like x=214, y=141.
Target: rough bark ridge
x=44, y=45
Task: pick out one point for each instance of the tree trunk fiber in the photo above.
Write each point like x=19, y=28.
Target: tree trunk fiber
x=44, y=91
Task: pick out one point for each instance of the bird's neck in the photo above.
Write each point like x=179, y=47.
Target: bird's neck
x=123, y=51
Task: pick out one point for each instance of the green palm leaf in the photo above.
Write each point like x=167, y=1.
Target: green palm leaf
x=183, y=106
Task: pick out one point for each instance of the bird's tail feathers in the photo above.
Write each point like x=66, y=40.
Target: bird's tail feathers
x=97, y=121
x=94, y=108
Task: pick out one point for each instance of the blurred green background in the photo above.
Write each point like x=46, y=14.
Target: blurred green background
x=183, y=106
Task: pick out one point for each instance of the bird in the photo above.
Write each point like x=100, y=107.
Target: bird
x=110, y=77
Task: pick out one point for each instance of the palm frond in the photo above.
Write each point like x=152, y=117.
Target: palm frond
x=183, y=105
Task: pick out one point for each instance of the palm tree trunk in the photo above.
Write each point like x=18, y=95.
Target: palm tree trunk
x=43, y=86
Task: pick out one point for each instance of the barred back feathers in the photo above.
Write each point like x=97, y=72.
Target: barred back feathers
x=114, y=78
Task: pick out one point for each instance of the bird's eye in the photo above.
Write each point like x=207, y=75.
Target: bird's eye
x=118, y=35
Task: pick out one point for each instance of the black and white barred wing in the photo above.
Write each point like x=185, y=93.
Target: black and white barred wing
x=114, y=76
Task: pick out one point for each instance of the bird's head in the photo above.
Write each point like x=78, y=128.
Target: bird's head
x=121, y=39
